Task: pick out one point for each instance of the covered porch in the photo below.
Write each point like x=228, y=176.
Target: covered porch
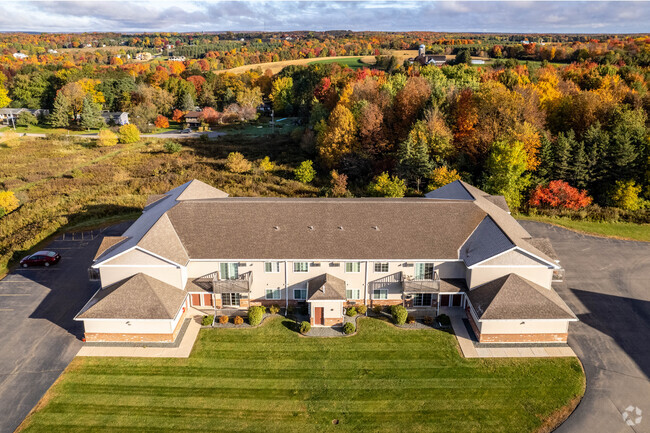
x=210, y=292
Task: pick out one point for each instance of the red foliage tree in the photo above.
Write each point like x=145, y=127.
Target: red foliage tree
x=559, y=194
x=161, y=122
x=210, y=115
x=177, y=115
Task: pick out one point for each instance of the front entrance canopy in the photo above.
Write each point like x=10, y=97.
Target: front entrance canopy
x=326, y=287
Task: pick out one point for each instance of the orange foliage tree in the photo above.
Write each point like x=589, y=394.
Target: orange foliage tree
x=161, y=122
x=559, y=194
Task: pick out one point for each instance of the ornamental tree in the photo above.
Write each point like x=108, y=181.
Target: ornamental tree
x=161, y=122
x=386, y=186
x=559, y=194
x=305, y=172
x=129, y=134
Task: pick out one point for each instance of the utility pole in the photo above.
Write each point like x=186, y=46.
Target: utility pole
x=273, y=121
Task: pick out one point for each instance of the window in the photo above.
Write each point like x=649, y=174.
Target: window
x=273, y=267
x=353, y=267
x=230, y=299
x=422, y=300
x=229, y=271
x=353, y=293
x=381, y=267
x=300, y=294
x=380, y=294
x=300, y=267
x=424, y=271
x=273, y=294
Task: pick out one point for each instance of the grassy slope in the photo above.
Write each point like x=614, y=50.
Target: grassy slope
x=621, y=230
x=270, y=379
x=353, y=63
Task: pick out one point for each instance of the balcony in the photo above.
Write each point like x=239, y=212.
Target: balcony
x=410, y=285
x=241, y=284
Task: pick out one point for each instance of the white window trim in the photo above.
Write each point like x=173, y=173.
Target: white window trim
x=300, y=299
x=353, y=290
x=433, y=271
x=275, y=268
x=300, y=272
x=273, y=291
x=374, y=268
x=352, y=272
x=380, y=291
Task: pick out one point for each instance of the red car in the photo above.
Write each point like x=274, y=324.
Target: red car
x=41, y=258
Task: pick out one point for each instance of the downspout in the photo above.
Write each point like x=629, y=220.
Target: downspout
x=286, y=289
x=365, y=289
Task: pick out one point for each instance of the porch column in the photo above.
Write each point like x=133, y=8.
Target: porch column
x=365, y=288
x=286, y=288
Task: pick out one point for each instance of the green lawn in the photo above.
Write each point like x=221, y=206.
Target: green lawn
x=351, y=62
x=622, y=230
x=270, y=379
x=40, y=129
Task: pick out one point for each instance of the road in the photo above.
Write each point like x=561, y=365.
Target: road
x=168, y=134
x=607, y=284
x=38, y=337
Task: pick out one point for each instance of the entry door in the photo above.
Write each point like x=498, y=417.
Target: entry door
x=456, y=300
x=444, y=300
x=318, y=316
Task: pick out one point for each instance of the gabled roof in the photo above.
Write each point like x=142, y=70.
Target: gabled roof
x=486, y=241
x=514, y=297
x=326, y=287
x=451, y=191
x=108, y=242
x=137, y=297
x=499, y=201
x=197, y=190
x=163, y=241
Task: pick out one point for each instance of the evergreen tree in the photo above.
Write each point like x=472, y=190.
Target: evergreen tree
x=60, y=117
x=579, y=169
x=562, y=159
x=91, y=114
x=413, y=161
x=187, y=102
x=544, y=172
x=596, y=143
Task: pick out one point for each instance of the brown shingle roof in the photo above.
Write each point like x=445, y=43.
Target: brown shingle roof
x=161, y=239
x=137, y=297
x=198, y=190
x=514, y=297
x=326, y=287
x=108, y=242
x=499, y=201
x=312, y=229
x=545, y=246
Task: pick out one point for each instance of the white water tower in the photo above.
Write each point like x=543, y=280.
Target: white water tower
x=422, y=50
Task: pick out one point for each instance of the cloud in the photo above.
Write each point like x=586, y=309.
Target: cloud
x=380, y=15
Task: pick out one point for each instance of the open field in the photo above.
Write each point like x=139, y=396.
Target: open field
x=276, y=67
x=270, y=379
x=67, y=182
x=619, y=230
x=351, y=62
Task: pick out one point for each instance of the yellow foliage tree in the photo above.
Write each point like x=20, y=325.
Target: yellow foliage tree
x=441, y=176
x=106, y=138
x=89, y=87
x=8, y=202
x=4, y=98
x=526, y=134
x=337, y=138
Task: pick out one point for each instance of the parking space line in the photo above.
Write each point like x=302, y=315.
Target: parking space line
x=15, y=294
x=6, y=309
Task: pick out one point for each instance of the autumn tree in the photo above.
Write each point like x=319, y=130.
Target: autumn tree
x=178, y=115
x=237, y=163
x=505, y=168
x=559, y=194
x=129, y=134
x=210, y=115
x=441, y=176
x=338, y=185
x=337, y=138
x=625, y=195
x=161, y=122
x=409, y=103
x=305, y=172
x=8, y=202
x=4, y=96
x=282, y=94
x=385, y=185
x=106, y=138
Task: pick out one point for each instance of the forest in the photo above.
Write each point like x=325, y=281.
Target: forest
x=555, y=123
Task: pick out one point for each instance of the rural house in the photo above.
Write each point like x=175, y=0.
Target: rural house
x=118, y=118
x=9, y=115
x=458, y=247
x=194, y=118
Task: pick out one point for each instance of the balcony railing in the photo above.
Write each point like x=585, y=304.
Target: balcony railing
x=241, y=284
x=410, y=285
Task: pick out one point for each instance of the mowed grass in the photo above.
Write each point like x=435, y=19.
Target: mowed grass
x=270, y=379
x=620, y=230
x=352, y=63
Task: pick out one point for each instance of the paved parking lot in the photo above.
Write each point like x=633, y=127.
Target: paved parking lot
x=38, y=337
x=607, y=285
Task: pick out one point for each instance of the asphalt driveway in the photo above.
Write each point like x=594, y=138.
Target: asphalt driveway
x=607, y=284
x=38, y=337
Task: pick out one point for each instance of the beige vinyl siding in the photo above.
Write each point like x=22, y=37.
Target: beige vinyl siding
x=514, y=258
x=524, y=326
x=481, y=275
x=331, y=309
x=169, y=274
x=136, y=257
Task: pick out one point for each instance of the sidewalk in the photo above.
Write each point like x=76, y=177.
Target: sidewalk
x=516, y=351
x=182, y=351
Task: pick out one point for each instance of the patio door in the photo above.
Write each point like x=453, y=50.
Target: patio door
x=229, y=271
x=422, y=300
x=230, y=299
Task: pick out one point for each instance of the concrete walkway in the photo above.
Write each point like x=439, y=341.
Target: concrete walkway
x=182, y=351
x=516, y=351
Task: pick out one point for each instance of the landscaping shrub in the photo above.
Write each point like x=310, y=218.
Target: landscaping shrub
x=207, y=320
x=349, y=328
x=107, y=138
x=399, y=314
x=255, y=315
x=377, y=309
x=410, y=320
x=361, y=309
x=238, y=320
x=223, y=320
x=305, y=172
x=351, y=311
x=305, y=327
x=274, y=309
x=129, y=134
x=444, y=320
x=428, y=320
x=236, y=163
x=173, y=147
x=266, y=164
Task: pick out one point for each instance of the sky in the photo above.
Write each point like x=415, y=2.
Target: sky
x=398, y=15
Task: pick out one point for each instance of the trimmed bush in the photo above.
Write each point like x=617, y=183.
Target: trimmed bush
x=349, y=328
x=238, y=320
x=361, y=309
x=444, y=320
x=207, y=320
x=377, y=309
x=274, y=309
x=399, y=314
x=129, y=134
x=305, y=327
x=255, y=315
x=410, y=320
x=223, y=320
x=351, y=311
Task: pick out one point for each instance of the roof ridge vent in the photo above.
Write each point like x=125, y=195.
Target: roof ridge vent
x=375, y=228
x=340, y=227
x=276, y=228
x=310, y=227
